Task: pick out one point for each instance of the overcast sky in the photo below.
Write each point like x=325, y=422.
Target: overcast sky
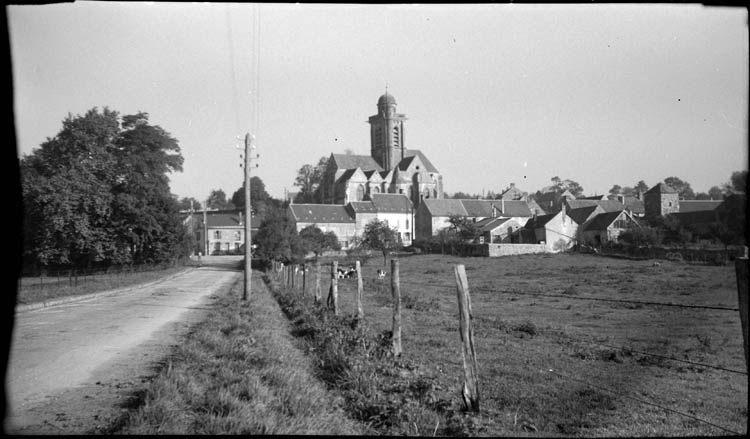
x=494, y=94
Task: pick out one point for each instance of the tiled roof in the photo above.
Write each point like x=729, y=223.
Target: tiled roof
x=352, y=161
x=634, y=204
x=662, y=188
x=490, y=224
x=444, y=207
x=362, y=206
x=320, y=213
x=539, y=221
x=607, y=205
x=391, y=203
x=602, y=221
x=415, y=152
x=698, y=205
x=225, y=218
x=483, y=208
x=581, y=214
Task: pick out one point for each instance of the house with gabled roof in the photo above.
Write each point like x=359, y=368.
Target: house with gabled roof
x=327, y=217
x=606, y=227
x=557, y=231
x=605, y=204
x=390, y=167
x=219, y=231
x=499, y=231
x=432, y=215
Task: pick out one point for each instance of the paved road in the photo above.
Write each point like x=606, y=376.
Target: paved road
x=71, y=345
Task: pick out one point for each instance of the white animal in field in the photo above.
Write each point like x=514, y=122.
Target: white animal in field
x=381, y=274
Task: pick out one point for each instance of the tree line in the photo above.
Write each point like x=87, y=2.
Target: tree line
x=97, y=193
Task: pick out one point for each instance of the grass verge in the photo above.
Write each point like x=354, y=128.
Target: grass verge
x=237, y=372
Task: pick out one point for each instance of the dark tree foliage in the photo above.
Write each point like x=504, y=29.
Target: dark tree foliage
x=308, y=180
x=186, y=203
x=317, y=241
x=682, y=187
x=378, y=235
x=277, y=238
x=259, y=198
x=217, y=199
x=98, y=193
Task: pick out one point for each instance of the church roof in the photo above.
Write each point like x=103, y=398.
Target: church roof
x=320, y=213
x=386, y=99
x=415, y=152
x=352, y=161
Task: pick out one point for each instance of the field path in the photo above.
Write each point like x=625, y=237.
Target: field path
x=68, y=362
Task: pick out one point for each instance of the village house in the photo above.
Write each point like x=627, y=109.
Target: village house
x=327, y=217
x=663, y=200
x=557, y=231
x=433, y=215
x=499, y=231
x=606, y=227
x=219, y=231
x=395, y=209
x=604, y=203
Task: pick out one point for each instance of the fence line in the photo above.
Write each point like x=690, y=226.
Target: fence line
x=565, y=296
x=642, y=401
x=620, y=348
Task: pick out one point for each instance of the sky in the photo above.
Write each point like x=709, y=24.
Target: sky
x=494, y=94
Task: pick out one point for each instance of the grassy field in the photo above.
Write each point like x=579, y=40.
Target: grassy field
x=33, y=290
x=238, y=372
x=556, y=365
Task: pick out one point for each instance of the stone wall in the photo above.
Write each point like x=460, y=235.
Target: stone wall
x=496, y=250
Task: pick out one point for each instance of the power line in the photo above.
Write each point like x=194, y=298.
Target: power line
x=642, y=401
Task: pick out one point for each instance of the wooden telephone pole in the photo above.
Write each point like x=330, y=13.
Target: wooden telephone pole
x=248, y=216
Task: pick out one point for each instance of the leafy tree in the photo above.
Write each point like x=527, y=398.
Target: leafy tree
x=317, y=241
x=682, y=187
x=277, y=238
x=737, y=183
x=715, y=193
x=308, y=180
x=641, y=236
x=463, y=228
x=98, y=192
x=641, y=187
x=218, y=200
x=464, y=196
x=615, y=190
x=186, y=203
x=378, y=235
x=259, y=198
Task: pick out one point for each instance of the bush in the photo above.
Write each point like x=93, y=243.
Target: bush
x=641, y=236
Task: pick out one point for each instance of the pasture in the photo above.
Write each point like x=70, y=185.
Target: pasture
x=556, y=360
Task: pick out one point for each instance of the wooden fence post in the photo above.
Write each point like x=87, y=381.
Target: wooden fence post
x=396, y=294
x=317, y=281
x=470, y=392
x=294, y=274
x=333, y=293
x=741, y=268
x=304, y=278
x=360, y=313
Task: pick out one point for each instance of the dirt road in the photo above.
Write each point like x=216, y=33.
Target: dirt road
x=73, y=366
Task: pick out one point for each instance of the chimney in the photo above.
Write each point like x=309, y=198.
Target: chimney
x=240, y=217
x=502, y=206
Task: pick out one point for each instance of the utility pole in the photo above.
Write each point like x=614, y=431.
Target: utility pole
x=249, y=146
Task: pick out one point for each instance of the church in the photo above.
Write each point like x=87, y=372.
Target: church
x=390, y=168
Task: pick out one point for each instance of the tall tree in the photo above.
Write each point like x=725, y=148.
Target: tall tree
x=737, y=183
x=217, y=199
x=277, y=238
x=640, y=187
x=308, y=180
x=615, y=190
x=259, y=198
x=98, y=192
x=682, y=187
x=187, y=203
x=378, y=235
x=317, y=241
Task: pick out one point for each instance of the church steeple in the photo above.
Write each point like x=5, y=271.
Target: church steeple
x=387, y=133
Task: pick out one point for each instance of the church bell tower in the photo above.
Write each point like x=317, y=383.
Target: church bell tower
x=387, y=133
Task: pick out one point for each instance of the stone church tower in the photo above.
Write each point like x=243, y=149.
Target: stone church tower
x=387, y=133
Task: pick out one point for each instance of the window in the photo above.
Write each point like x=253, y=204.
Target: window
x=360, y=192
x=237, y=246
x=237, y=235
x=217, y=234
x=407, y=224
